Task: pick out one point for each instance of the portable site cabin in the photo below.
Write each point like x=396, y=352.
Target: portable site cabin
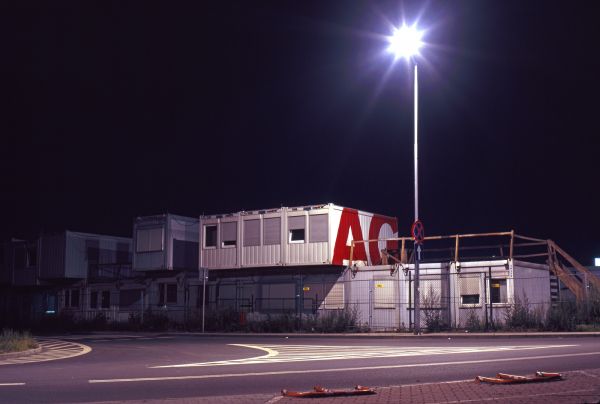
x=461, y=293
x=299, y=236
x=73, y=255
x=166, y=252
x=70, y=262
x=309, y=244
x=165, y=243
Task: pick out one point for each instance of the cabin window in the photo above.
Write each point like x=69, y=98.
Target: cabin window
x=317, y=228
x=149, y=240
x=296, y=228
x=167, y=293
x=470, y=289
x=31, y=255
x=210, y=236
x=251, y=232
x=105, y=299
x=498, y=291
x=228, y=234
x=272, y=231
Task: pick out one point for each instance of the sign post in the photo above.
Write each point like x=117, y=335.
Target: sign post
x=417, y=231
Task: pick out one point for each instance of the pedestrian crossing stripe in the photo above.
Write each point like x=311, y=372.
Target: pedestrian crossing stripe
x=51, y=350
x=303, y=353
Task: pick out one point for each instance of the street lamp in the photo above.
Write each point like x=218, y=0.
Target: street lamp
x=405, y=43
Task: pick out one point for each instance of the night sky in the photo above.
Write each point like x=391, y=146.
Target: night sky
x=117, y=110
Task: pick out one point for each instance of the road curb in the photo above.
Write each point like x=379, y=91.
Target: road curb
x=19, y=354
x=395, y=335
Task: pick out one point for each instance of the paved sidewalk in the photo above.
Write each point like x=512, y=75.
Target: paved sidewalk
x=577, y=387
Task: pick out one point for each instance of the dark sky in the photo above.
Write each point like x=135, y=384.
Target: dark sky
x=116, y=110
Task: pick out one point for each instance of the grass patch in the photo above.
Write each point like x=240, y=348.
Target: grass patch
x=15, y=341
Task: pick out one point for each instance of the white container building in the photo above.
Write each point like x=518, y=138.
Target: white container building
x=317, y=235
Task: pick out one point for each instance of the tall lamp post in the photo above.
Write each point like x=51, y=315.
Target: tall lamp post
x=405, y=43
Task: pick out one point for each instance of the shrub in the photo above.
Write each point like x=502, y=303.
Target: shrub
x=519, y=316
x=473, y=322
x=431, y=307
x=14, y=341
x=337, y=320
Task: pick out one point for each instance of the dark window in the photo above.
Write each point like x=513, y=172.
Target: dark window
x=498, y=291
x=148, y=240
x=229, y=234
x=123, y=253
x=470, y=299
x=210, y=236
x=31, y=255
x=105, y=301
x=296, y=226
x=167, y=293
x=50, y=303
x=171, y=293
x=74, y=298
x=297, y=235
x=94, y=300
x=185, y=254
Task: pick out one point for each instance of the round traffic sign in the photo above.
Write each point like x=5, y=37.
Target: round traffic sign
x=417, y=231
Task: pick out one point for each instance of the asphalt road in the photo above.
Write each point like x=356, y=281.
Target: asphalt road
x=125, y=368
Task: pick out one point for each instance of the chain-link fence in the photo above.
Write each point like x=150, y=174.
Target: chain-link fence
x=377, y=300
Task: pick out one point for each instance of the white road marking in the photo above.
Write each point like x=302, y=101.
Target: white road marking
x=352, y=369
x=12, y=384
x=303, y=353
x=51, y=350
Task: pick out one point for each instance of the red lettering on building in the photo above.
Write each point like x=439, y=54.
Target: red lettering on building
x=348, y=221
x=376, y=223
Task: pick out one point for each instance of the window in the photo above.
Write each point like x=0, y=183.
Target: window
x=272, y=231
x=498, y=291
x=210, y=236
x=149, y=240
x=75, y=298
x=167, y=293
x=335, y=297
x=94, y=300
x=317, y=228
x=31, y=255
x=469, y=287
x=296, y=226
x=105, y=299
x=251, y=232
x=383, y=294
x=228, y=234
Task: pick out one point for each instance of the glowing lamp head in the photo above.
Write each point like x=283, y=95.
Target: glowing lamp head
x=405, y=42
